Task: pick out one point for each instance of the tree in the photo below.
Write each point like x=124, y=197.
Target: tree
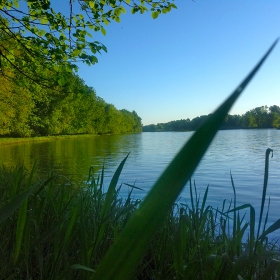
x=232, y=121
x=275, y=116
x=33, y=34
x=137, y=122
x=260, y=114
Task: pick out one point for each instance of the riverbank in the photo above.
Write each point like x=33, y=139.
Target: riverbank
x=260, y=117
x=8, y=141
x=221, y=128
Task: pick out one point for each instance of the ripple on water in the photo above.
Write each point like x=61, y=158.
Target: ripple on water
x=240, y=152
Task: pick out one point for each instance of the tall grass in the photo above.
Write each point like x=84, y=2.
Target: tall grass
x=65, y=232
x=57, y=226
x=131, y=245
x=52, y=229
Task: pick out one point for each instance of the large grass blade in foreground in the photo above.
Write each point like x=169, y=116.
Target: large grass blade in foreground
x=128, y=249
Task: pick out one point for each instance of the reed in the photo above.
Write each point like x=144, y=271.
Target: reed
x=131, y=245
x=53, y=229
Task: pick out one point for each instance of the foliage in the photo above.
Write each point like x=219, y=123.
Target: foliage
x=260, y=117
x=30, y=109
x=137, y=231
x=36, y=111
x=41, y=34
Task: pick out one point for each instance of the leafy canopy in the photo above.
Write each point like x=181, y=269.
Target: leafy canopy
x=33, y=34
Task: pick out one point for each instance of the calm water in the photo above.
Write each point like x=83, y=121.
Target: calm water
x=240, y=151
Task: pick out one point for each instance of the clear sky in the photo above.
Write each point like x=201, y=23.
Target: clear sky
x=186, y=62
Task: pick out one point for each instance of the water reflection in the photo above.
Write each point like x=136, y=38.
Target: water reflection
x=240, y=151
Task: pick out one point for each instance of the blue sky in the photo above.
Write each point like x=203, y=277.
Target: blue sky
x=185, y=63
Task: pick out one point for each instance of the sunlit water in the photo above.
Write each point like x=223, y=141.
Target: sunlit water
x=241, y=152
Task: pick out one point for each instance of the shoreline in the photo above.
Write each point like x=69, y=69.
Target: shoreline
x=9, y=141
x=222, y=128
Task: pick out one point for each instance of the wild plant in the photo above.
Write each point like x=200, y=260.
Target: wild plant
x=130, y=246
x=53, y=229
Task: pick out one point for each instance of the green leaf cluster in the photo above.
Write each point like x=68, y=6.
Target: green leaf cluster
x=73, y=109
x=42, y=36
x=57, y=231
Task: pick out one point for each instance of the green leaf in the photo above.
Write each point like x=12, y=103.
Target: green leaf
x=91, y=4
x=155, y=14
x=94, y=59
x=75, y=52
x=130, y=246
x=105, y=21
x=61, y=81
x=123, y=9
x=16, y=4
x=44, y=21
x=103, y=31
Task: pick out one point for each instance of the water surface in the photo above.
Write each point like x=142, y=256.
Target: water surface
x=241, y=152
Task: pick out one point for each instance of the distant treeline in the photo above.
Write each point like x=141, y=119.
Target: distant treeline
x=260, y=117
x=31, y=110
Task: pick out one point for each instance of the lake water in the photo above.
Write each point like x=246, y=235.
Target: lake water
x=240, y=151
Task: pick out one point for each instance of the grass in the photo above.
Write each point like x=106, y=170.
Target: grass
x=56, y=226
x=51, y=229
x=8, y=141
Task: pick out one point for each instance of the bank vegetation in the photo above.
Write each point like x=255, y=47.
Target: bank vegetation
x=259, y=117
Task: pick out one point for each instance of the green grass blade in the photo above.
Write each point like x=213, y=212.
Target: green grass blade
x=13, y=205
x=252, y=223
x=234, y=206
x=191, y=195
x=125, y=254
x=108, y=200
x=70, y=225
x=266, y=216
x=204, y=199
x=112, y=188
x=102, y=177
x=78, y=266
x=20, y=228
x=271, y=229
x=134, y=187
x=22, y=218
x=264, y=186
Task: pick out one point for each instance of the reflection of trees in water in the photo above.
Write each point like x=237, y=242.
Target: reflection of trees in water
x=71, y=157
